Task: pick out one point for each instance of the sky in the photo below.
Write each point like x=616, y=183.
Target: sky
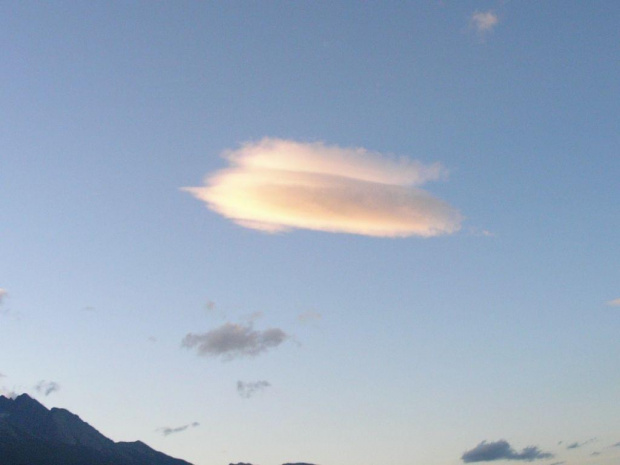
x=339, y=233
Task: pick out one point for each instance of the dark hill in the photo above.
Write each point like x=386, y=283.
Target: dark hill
x=30, y=434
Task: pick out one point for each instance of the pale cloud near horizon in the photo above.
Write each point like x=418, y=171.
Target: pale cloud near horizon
x=9, y=393
x=277, y=185
x=484, y=21
x=614, y=303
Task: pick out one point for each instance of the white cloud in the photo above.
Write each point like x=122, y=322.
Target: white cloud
x=614, y=303
x=484, y=21
x=277, y=185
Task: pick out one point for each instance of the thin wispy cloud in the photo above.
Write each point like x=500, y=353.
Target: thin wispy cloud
x=277, y=185
x=483, y=22
x=247, y=390
x=167, y=431
x=501, y=450
x=232, y=340
x=253, y=316
x=577, y=445
x=47, y=387
x=309, y=316
x=7, y=312
x=614, y=303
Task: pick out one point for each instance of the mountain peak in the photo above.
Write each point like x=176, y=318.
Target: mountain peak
x=30, y=433
x=25, y=400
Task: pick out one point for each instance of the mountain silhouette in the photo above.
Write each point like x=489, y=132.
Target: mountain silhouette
x=30, y=434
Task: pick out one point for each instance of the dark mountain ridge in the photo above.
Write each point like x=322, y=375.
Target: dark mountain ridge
x=30, y=434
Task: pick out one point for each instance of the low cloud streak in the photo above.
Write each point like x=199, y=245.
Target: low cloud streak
x=277, y=185
x=167, y=431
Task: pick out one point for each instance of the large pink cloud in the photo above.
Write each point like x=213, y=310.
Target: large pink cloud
x=277, y=185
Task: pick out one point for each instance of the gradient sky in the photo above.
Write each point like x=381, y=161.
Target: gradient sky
x=141, y=289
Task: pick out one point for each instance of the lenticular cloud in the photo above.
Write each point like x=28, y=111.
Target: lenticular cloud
x=277, y=185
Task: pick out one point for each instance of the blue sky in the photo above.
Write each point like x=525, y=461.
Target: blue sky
x=494, y=318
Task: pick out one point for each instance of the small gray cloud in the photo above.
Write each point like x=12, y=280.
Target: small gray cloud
x=167, y=431
x=232, y=340
x=616, y=444
x=501, y=450
x=298, y=463
x=3, y=295
x=557, y=463
x=47, y=387
x=309, y=316
x=247, y=390
x=595, y=454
